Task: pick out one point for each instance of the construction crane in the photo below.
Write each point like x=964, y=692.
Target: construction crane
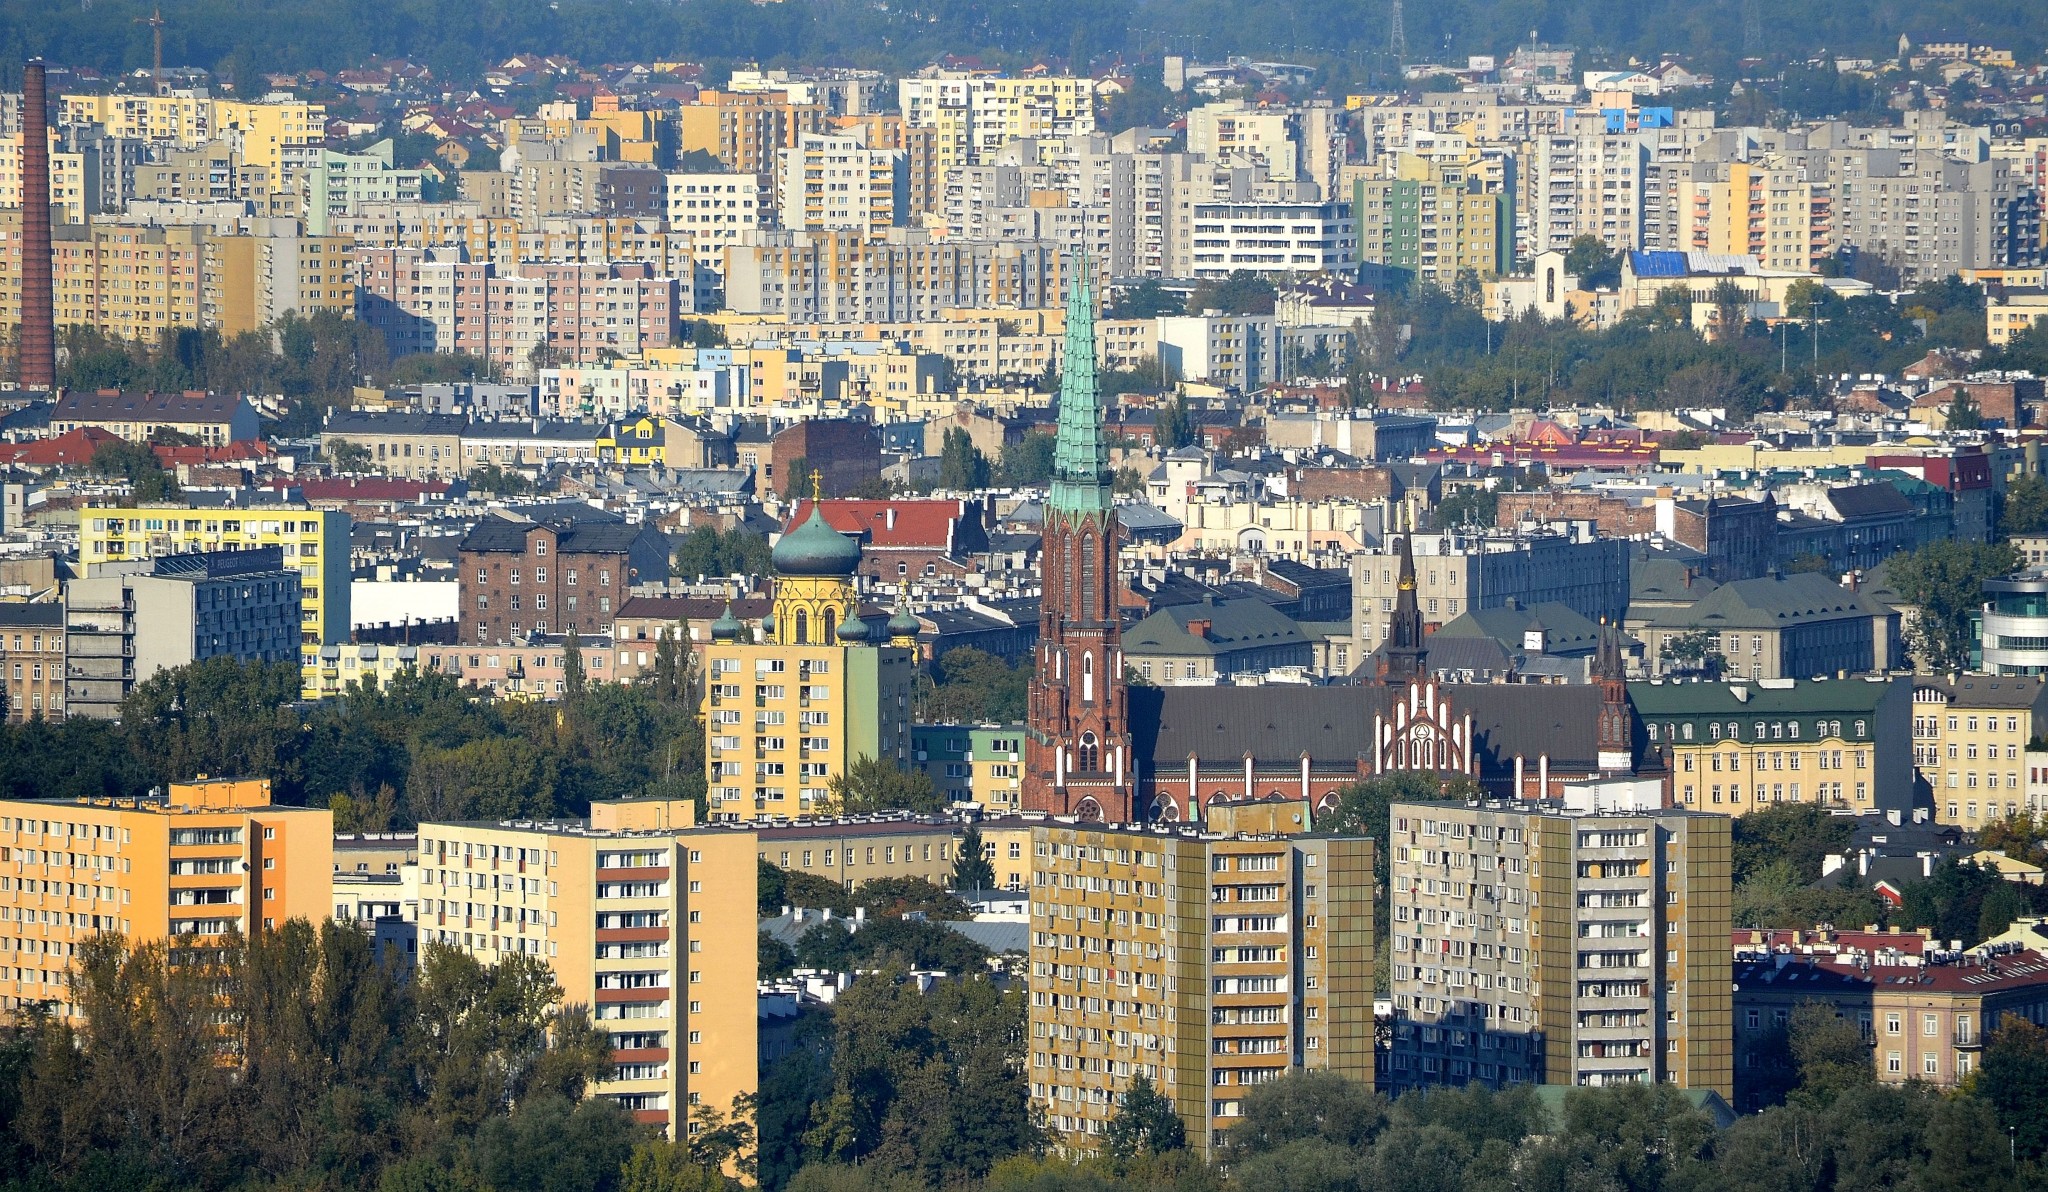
x=155, y=21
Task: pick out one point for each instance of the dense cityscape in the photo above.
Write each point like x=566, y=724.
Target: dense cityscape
x=1293, y=596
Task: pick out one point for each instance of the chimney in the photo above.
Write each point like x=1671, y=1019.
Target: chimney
x=38, y=312
x=1200, y=628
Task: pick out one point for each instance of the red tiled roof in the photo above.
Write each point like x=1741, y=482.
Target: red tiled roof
x=72, y=449
x=919, y=525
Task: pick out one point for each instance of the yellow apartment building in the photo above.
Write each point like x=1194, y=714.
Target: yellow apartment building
x=644, y=918
x=190, y=119
x=314, y=541
x=1736, y=747
x=211, y=858
x=743, y=130
x=1970, y=737
x=786, y=716
x=1207, y=964
x=855, y=851
x=68, y=192
x=129, y=282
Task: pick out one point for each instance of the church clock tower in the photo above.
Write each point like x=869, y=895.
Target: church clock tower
x=1077, y=754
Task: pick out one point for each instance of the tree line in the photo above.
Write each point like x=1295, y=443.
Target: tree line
x=1653, y=358
x=1347, y=43
x=417, y=747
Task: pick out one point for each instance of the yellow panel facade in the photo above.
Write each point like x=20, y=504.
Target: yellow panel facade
x=1207, y=964
x=652, y=928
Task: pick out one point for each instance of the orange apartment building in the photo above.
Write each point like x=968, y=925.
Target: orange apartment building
x=213, y=857
x=646, y=918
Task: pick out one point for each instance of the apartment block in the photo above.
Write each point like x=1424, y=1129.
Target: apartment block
x=1740, y=746
x=904, y=275
x=1208, y=964
x=32, y=659
x=205, y=860
x=269, y=268
x=716, y=211
x=744, y=130
x=1436, y=220
x=1770, y=210
x=785, y=717
x=1580, y=943
x=523, y=317
x=839, y=183
x=643, y=917
x=976, y=116
x=1274, y=238
x=857, y=850
x=129, y=282
x=313, y=542
x=1970, y=735
x=977, y=763
x=149, y=615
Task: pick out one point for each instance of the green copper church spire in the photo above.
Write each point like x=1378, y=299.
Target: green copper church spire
x=1081, y=484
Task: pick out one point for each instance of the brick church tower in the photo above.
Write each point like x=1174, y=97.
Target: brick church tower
x=1077, y=753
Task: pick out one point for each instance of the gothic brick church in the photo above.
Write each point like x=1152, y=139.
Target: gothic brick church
x=1100, y=749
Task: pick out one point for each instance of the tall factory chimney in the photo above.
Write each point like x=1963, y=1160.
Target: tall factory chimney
x=38, y=312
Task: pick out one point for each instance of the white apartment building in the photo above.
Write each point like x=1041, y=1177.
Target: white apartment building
x=1273, y=238
x=833, y=183
x=716, y=211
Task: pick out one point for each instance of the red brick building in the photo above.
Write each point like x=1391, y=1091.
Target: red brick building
x=846, y=454
x=521, y=578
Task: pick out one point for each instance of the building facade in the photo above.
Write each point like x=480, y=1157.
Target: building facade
x=1207, y=964
x=1554, y=943
x=209, y=859
x=644, y=918
x=787, y=716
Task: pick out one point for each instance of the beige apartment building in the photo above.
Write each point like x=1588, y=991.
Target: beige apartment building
x=644, y=918
x=1552, y=943
x=1207, y=964
x=1970, y=735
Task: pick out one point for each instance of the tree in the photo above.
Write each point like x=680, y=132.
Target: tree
x=573, y=684
x=498, y=482
x=1962, y=413
x=1241, y=293
x=1171, y=427
x=1146, y=300
x=962, y=467
x=797, y=485
x=2014, y=1081
x=1145, y=1123
x=1697, y=651
x=2026, y=505
x=973, y=687
x=662, y=1166
x=1829, y=1053
x=1306, y=1105
x=1589, y=259
x=708, y=551
x=1944, y=582
x=137, y=464
x=896, y=897
x=870, y=785
x=1027, y=462
x=971, y=869
x=673, y=677
x=348, y=457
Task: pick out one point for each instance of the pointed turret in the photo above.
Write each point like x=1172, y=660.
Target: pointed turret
x=1617, y=719
x=1405, y=653
x=1082, y=481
